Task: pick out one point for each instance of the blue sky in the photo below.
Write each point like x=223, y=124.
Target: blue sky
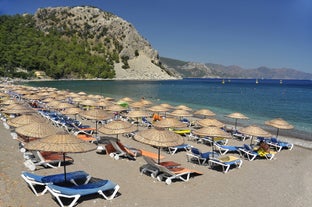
x=247, y=33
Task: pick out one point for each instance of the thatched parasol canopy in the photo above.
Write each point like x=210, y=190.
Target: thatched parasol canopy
x=169, y=122
x=279, y=123
x=254, y=130
x=24, y=120
x=117, y=127
x=210, y=122
x=36, y=130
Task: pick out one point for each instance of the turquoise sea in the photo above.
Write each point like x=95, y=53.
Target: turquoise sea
x=262, y=101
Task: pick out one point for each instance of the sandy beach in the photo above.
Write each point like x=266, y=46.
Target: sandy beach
x=284, y=181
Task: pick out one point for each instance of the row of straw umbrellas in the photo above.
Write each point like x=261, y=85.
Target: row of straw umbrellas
x=158, y=136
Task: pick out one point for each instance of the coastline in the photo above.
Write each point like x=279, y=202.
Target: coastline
x=294, y=133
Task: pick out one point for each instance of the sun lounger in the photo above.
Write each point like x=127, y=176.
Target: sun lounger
x=152, y=168
x=34, y=180
x=185, y=147
x=279, y=145
x=201, y=157
x=117, y=150
x=170, y=174
x=223, y=149
x=251, y=154
x=122, y=150
x=102, y=187
x=225, y=162
x=240, y=136
x=85, y=136
x=46, y=159
x=167, y=171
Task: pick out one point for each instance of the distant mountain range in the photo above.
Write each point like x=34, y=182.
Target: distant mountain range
x=210, y=70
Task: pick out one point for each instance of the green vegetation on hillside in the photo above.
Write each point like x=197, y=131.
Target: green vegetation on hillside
x=24, y=49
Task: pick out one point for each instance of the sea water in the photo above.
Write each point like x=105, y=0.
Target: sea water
x=260, y=100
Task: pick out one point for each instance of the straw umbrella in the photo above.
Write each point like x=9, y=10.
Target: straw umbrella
x=146, y=102
x=166, y=105
x=36, y=130
x=236, y=116
x=158, y=108
x=97, y=115
x=88, y=103
x=254, y=130
x=210, y=122
x=115, y=108
x=204, y=112
x=137, y=104
x=61, y=143
x=183, y=107
x=63, y=105
x=159, y=138
x=126, y=99
x=24, y=120
x=169, y=122
x=72, y=111
x=18, y=109
x=117, y=127
x=211, y=131
x=137, y=115
x=279, y=123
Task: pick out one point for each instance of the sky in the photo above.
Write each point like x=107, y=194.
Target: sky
x=246, y=33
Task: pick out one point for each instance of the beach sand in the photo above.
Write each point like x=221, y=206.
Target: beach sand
x=284, y=181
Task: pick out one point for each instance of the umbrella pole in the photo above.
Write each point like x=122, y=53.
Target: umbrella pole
x=96, y=130
x=235, y=123
x=212, y=147
x=158, y=155
x=277, y=133
x=64, y=166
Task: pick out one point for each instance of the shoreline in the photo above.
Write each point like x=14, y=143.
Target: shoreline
x=302, y=138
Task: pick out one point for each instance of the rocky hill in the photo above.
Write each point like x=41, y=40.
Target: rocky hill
x=118, y=37
x=210, y=70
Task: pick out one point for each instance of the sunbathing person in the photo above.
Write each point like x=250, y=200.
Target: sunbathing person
x=263, y=148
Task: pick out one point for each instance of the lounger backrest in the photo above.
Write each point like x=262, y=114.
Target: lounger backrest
x=247, y=147
x=149, y=161
x=125, y=149
x=195, y=151
x=116, y=146
x=274, y=140
x=164, y=169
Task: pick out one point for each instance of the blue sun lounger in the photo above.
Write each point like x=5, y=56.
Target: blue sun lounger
x=75, y=192
x=200, y=157
x=226, y=162
x=279, y=145
x=174, y=149
x=34, y=180
x=223, y=149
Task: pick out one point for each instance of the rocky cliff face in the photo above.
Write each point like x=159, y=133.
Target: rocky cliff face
x=95, y=26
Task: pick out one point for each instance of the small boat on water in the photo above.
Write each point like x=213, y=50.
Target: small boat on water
x=281, y=81
x=257, y=81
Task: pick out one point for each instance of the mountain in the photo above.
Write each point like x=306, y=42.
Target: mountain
x=76, y=42
x=210, y=70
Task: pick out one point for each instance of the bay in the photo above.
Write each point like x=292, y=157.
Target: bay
x=260, y=100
